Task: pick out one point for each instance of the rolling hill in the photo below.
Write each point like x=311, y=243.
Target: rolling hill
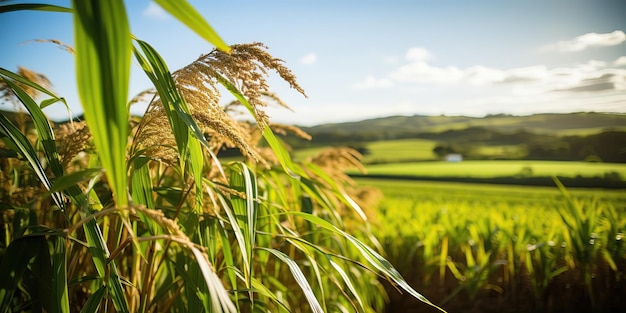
x=548, y=123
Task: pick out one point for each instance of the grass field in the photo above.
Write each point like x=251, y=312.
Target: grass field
x=387, y=151
x=488, y=169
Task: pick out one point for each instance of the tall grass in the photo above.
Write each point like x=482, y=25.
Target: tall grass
x=120, y=214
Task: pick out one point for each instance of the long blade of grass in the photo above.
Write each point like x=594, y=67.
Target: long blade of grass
x=348, y=282
x=314, y=269
x=30, y=83
x=34, y=7
x=103, y=51
x=237, y=230
x=183, y=126
x=44, y=130
x=375, y=259
x=184, y=12
x=18, y=142
x=299, y=277
x=100, y=255
x=93, y=303
x=279, y=149
x=103, y=48
x=141, y=184
x=70, y=180
x=228, y=258
x=261, y=289
x=59, y=294
x=242, y=180
x=335, y=186
x=220, y=300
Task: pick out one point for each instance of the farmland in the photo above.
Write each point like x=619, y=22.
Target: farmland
x=385, y=151
x=485, y=169
x=497, y=248
x=492, y=232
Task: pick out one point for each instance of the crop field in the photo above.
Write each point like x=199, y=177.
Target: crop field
x=396, y=150
x=487, y=169
x=503, y=248
x=399, y=150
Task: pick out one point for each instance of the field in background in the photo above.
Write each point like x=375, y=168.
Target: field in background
x=486, y=169
x=499, y=248
x=396, y=150
x=394, y=188
x=493, y=233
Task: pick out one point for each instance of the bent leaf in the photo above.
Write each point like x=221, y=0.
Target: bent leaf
x=184, y=12
x=299, y=277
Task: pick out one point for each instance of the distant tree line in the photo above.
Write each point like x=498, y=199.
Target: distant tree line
x=602, y=147
x=608, y=146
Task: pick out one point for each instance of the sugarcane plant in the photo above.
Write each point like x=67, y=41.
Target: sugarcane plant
x=117, y=213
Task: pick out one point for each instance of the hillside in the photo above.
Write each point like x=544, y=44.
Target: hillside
x=551, y=123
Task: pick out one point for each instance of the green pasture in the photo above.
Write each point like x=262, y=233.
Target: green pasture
x=492, y=168
x=501, y=151
x=386, y=151
x=399, y=150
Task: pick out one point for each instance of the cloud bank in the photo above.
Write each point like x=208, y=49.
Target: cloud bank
x=416, y=83
x=592, y=76
x=589, y=40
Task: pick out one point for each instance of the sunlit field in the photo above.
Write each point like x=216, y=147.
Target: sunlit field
x=486, y=169
x=396, y=150
x=505, y=248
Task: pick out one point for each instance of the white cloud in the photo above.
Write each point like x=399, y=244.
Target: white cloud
x=621, y=61
x=591, y=77
x=588, y=40
x=308, y=59
x=418, y=54
x=422, y=72
x=477, y=90
x=372, y=82
x=155, y=11
x=481, y=75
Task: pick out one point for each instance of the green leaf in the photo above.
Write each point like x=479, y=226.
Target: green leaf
x=348, y=282
x=299, y=277
x=51, y=276
x=59, y=277
x=242, y=180
x=344, y=197
x=141, y=184
x=220, y=299
x=69, y=180
x=24, y=148
x=93, y=303
x=33, y=7
x=375, y=259
x=14, y=263
x=263, y=290
x=28, y=82
x=184, y=12
x=183, y=126
x=279, y=149
x=228, y=257
x=103, y=51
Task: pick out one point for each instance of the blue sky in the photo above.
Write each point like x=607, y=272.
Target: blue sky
x=365, y=59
